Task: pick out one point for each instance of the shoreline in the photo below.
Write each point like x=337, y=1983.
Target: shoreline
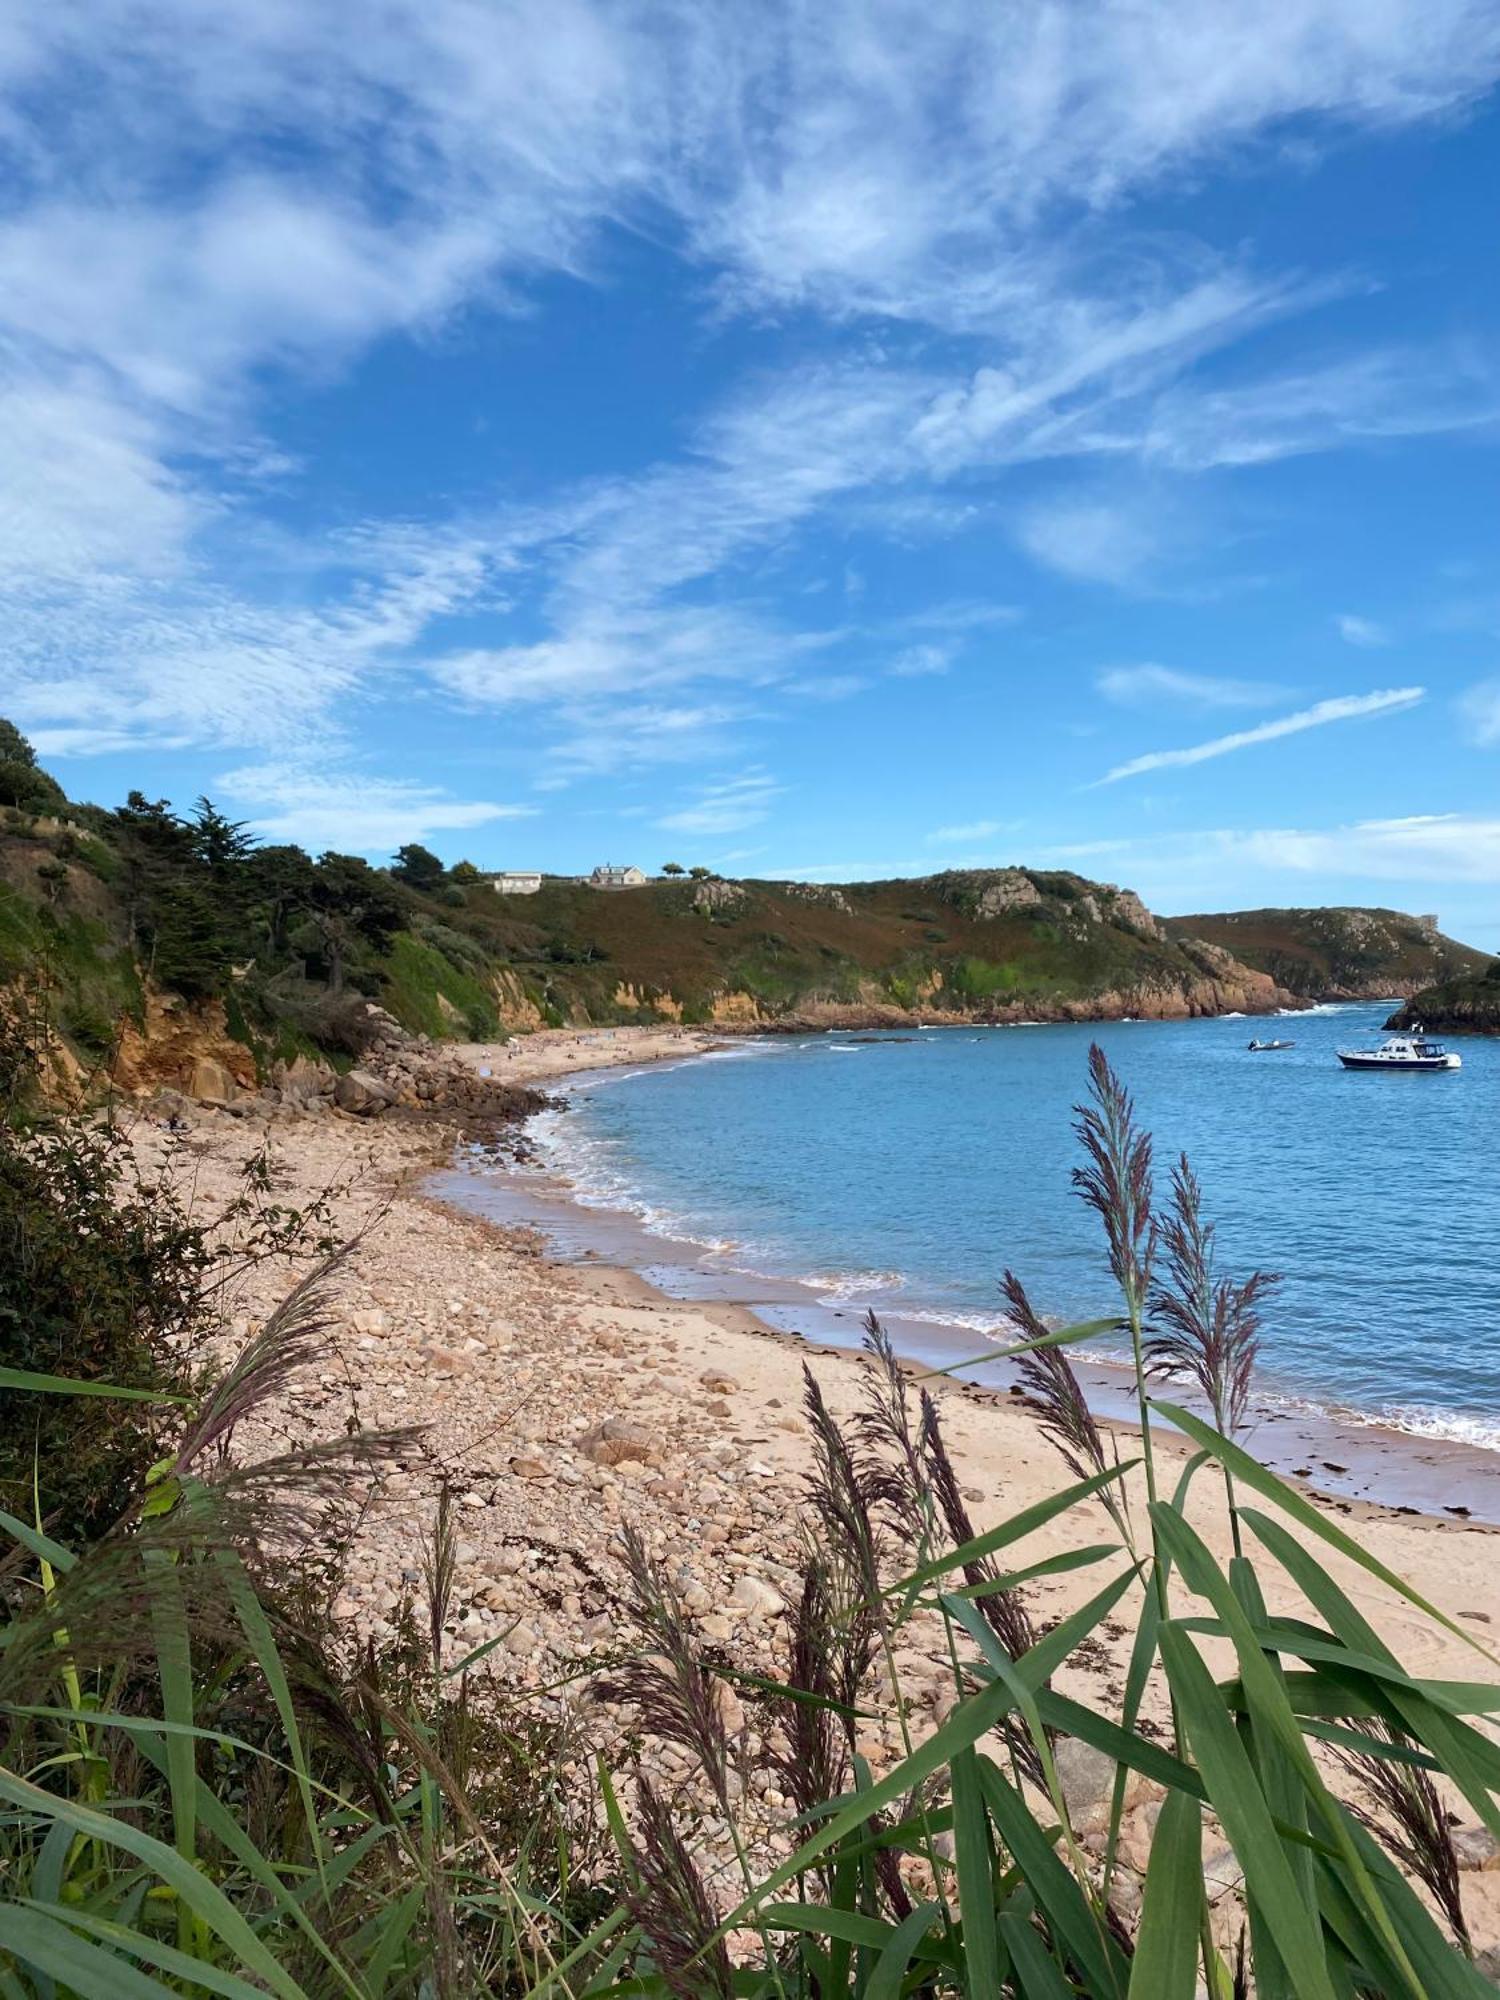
x=557, y=1403
x=1341, y=1454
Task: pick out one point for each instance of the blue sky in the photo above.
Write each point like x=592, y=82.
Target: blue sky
x=826, y=442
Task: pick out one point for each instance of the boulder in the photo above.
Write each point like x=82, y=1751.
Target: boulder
x=1476, y=1848
x=171, y=1107
x=617, y=1441
x=302, y=1080
x=363, y=1094
x=751, y=1594
x=209, y=1082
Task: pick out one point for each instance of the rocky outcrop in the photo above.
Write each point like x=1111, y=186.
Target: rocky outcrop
x=1128, y=909
x=714, y=896
x=1458, y=1007
x=1008, y=889
x=823, y=893
x=1337, y=953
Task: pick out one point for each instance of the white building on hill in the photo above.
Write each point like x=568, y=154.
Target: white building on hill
x=611, y=876
x=516, y=882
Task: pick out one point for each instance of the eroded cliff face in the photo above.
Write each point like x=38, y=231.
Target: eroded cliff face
x=1222, y=986
x=518, y=1012
x=183, y=1047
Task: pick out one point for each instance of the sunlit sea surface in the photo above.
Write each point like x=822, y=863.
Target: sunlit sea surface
x=906, y=1171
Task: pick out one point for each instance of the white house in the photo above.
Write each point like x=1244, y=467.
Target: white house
x=516, y=882
x=611, y=876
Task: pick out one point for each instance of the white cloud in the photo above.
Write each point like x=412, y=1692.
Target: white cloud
x=1356, y=398
x=258, y=195
x=1480, y=708
x=726, y=807
x=960, y=836
x=1342, y=708
x=1361, y=631
x=1148, y=683
x=1091, y=540
x=1226, y=867
x=188, y=660
x=915, y=662
x=351, y=812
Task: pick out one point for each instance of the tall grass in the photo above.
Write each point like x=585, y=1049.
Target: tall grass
x=201, y=1794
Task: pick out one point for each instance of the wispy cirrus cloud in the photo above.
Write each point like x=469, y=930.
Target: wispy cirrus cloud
x=1358, y=631
x=1150, y=684
x=258, y=198
x=1341, y=708
x=1479, y=707
x=967, y=833
x=352, y=811
x=728, y=806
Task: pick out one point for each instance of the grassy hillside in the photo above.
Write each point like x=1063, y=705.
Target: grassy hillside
x=1336, y=954
x=276, y=952
x=994, y=942
x=154, y=927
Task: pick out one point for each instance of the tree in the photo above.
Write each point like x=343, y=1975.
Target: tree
x=219, y=842
x=22, y=781
x=279, y=884
x=700, y=874
x=465, y=874
x=673, y=868
x=352, y=906
x=419, y=868
x=182, y=923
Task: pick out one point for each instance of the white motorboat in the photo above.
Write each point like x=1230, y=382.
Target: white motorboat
x=1414, y=1051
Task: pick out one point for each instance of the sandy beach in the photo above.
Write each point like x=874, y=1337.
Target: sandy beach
x=562, y=1400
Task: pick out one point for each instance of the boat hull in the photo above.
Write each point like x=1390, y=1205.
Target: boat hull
x=1357, y=1061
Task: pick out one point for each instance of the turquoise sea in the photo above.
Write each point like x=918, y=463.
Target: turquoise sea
x=905, y=1171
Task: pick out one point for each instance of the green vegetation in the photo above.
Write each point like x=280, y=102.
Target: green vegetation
x=1336, y=954
x=206, y=1792
x=1468, y=1006
x=116, y=905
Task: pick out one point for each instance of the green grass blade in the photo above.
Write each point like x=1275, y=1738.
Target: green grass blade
x=1073, y=1921
x=1254, y=1475
x=394, y=1924
x=51, y=1948
x=1037, y=1978
x=67, y=1385
x=212, y=1978
x=1271, y=1713
x=41, y=1546
x=827, y=1920
x=1037, y=1666
x=1135, y=1753
x=975, y=1862
x=1070, y=1559
x=1166, y=1949
x=174, y=1668
x=964, y=1726
x=1236, y=1798
x=888, y=1974
x=200, y=1895
x=1065, y=1336
x=257, y=1629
